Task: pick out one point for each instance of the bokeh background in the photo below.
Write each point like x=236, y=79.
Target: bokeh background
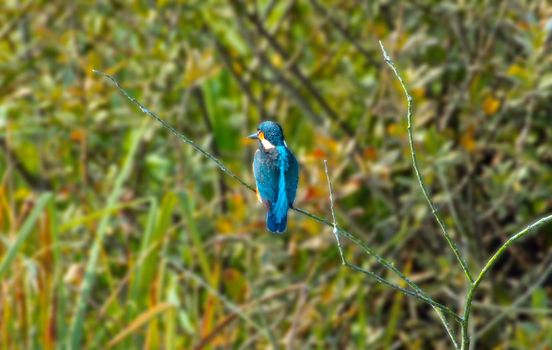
x=183, y=259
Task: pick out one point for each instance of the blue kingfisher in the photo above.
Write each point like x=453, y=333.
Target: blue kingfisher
x=276, y=174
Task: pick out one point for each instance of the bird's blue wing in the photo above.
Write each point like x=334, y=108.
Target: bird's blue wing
x=267, y=177
x=292, y=177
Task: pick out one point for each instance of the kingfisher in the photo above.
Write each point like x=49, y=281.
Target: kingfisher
x=276, y=174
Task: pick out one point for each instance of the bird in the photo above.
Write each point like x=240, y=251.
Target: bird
x=276, y=173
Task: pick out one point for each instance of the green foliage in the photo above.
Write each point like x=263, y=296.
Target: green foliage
x=172, y=254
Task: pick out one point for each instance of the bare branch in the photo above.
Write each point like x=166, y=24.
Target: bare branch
x=334, y=230
x=419, y=176
x=492, y=261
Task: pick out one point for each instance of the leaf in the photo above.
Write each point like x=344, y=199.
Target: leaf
x=141, y=320
x=519, y=72
x=467, y=139
x=24, y=233
x=546, y=81
x=491, y=105
x=539, y=299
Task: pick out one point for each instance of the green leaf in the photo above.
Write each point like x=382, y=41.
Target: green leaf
x=24, y=233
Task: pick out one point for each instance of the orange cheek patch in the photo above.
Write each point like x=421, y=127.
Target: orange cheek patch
x=266, y=144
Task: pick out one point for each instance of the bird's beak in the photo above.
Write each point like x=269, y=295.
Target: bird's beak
x=254, y=136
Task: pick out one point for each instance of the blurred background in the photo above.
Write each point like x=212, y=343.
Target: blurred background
x=180, y=256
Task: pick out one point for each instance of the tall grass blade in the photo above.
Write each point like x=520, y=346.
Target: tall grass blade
x=24, y=233
x=141, y=320
x=136, y=282
x=75, y=333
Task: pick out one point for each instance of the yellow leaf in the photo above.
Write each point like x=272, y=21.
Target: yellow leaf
x=393, y=129
x=491, y=105
x=518, y=72
x=418, y=93
x=467, y=140
x=277, y=60
x=141, y=320
x=22, y=193
x=224, y=225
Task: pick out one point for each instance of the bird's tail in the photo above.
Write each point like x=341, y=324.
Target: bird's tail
x=274, y=225
x=276, y=218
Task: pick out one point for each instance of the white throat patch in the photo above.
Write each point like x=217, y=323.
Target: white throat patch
x=266, y=144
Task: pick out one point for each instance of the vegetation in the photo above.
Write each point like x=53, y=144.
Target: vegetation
x=116, y=234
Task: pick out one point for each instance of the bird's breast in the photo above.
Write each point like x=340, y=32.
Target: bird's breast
x=269, y=157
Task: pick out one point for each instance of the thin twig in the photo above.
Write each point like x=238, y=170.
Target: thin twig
x=471, y=292
x=425, y=191
x=334, y=230
x=451, y=243
x=448, y=327
x=513, y=308
x=370, y=273
x=418, y=293
x=176, y=133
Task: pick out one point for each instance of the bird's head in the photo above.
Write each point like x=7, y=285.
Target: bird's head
x=269, y=134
